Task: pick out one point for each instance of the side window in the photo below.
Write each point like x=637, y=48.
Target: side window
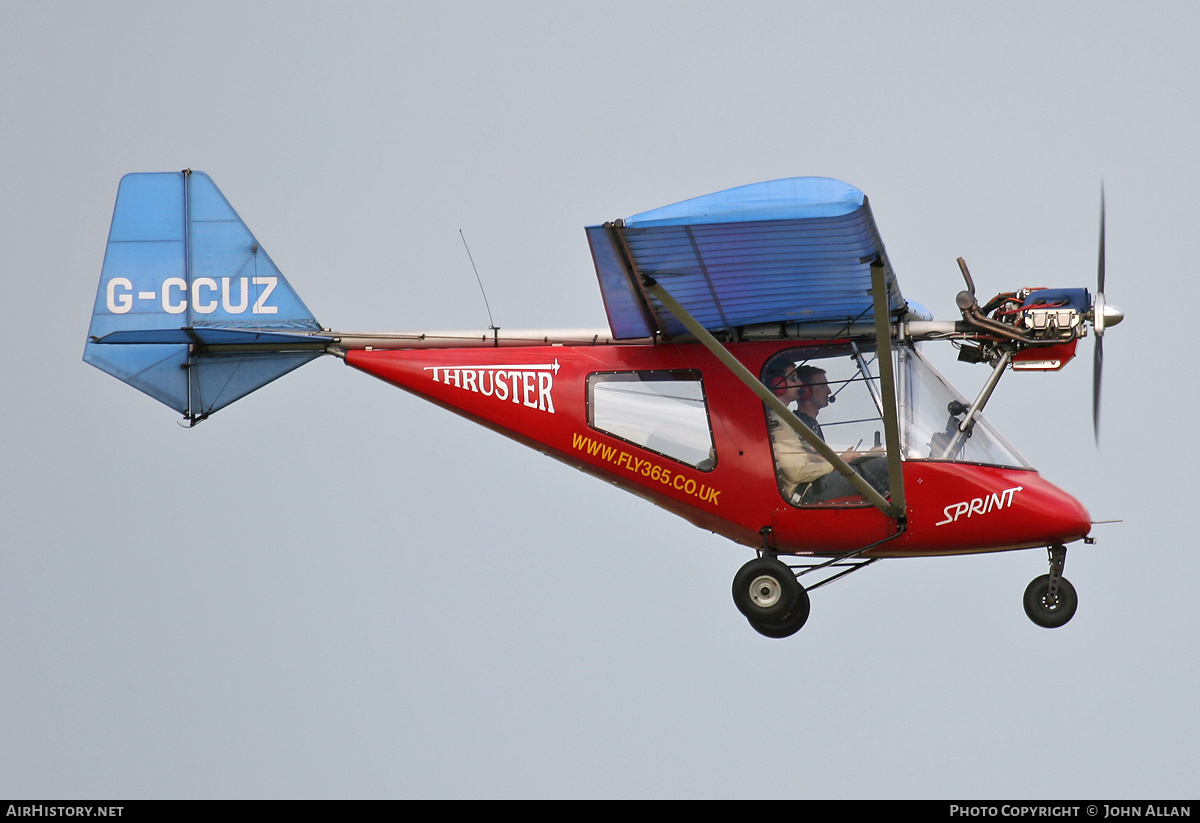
x=661, y=411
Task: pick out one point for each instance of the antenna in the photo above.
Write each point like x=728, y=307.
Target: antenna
x=491, y=323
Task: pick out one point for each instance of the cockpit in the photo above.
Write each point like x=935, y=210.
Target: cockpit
x=835, y=391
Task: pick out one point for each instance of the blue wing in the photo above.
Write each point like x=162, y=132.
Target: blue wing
x=795, y=250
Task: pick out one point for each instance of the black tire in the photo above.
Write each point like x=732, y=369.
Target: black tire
x=788, y=625
x=1045, y=613
x=765, y=590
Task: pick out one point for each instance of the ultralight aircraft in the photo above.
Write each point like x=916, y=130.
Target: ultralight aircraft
x=761, y=375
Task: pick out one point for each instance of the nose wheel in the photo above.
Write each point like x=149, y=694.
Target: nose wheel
x=1050, y=600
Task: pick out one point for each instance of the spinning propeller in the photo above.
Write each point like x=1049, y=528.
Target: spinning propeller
x=1103, y=316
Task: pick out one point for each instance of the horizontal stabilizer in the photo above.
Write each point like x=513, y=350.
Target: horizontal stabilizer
x=218, y=337
x=191, y=309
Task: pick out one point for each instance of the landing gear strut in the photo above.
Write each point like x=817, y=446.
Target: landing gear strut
x=768, y=592
x=1050, y=600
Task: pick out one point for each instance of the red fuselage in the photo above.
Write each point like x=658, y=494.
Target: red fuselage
x=539, y=396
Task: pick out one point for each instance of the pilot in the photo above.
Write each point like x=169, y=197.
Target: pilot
x=805, y=476
x=805, y=386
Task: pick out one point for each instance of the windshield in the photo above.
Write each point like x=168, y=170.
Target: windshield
x=930, y=413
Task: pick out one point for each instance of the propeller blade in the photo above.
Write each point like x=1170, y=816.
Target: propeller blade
x=1100, y=274
x=1098, y=324
x=1097, y=371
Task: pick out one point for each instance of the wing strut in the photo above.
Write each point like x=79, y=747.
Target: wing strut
x=767, y=396
x=887, y=386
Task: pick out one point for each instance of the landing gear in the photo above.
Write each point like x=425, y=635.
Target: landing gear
x=769, y=594
x=1050, y=600
x=766, y=591
x=788, y=625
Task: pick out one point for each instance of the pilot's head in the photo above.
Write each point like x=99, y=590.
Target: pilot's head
x=780, y=377
x=813, y=390
x=794, y=383
x=786, y=377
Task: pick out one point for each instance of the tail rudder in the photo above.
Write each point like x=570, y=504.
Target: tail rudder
x=190, y=309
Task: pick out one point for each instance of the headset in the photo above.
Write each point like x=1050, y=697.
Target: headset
x=777, y=376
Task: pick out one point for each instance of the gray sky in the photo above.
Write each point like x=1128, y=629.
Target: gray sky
x=333, y=589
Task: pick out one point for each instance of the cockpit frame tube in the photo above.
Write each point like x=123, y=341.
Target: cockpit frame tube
x=968, y=421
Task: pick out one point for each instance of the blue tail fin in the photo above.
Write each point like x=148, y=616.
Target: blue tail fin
x=191, y=310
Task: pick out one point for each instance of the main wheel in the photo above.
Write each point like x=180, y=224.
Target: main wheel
x=788, y=625
x=766, y=590
x=1047, y=612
